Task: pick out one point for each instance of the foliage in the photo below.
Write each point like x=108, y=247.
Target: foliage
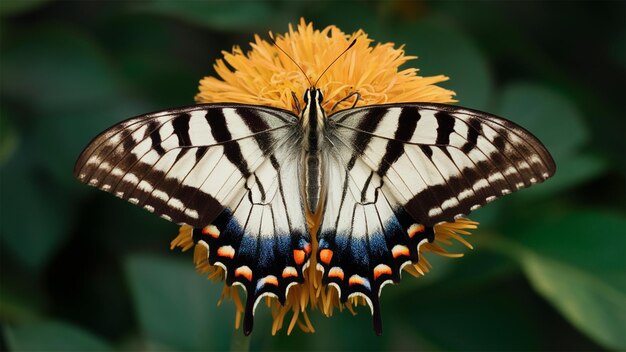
x=82, y=271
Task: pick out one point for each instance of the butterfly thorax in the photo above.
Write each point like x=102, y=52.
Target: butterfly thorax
x=312, y=119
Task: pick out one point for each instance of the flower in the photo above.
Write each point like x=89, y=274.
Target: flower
x=266, y=76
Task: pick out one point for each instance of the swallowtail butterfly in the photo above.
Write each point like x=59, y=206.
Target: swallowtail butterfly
x=379, y=177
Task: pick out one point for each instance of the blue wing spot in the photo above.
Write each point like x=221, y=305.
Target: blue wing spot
x=248, y=246
x=359, y=251
x=378, y=245
x=266, y=253
x=341, y=241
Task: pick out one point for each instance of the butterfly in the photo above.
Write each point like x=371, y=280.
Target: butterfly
x=378, y=178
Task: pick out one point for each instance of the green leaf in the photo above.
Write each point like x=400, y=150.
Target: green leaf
x=588, y=303
x=559, y=125
x=592, y=241
x=546, y=114
x=577, y=262
x=177, y=308
x=52, y=336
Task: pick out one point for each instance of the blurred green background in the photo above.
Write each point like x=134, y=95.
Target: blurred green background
x=81, y=270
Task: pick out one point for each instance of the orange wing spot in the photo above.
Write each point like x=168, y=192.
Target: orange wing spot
x=244, y=271
x=325, y=256
x=290, y=271
x=298, y=256
x=226, y=251
x=270, y=279
x=415, y=229
x=307, y=248
x=355, y=280
x=381, y=269
x=399, y=250
x=336, y=272
x=211, y=230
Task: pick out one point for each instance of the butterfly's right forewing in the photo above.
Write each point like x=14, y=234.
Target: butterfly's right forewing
x=442, y=161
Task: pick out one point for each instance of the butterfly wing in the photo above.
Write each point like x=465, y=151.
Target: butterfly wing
x=228, y=170
x=395, y=171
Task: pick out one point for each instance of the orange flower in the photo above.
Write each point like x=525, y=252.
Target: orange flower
x=266, y=76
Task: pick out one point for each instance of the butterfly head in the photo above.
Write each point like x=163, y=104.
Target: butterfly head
x=313, y=113
x=313, y=96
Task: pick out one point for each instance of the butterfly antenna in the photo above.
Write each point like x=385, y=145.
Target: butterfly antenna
x=290, y=58
x=332, y=63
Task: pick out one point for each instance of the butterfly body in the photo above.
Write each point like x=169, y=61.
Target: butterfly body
x=313, y=120
x=379, y=177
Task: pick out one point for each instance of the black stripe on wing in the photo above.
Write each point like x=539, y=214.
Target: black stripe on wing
x=162, y=161
x=443, y=161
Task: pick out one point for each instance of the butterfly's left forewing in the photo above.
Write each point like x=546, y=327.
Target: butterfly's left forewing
x=228, y=170
x=395, y=171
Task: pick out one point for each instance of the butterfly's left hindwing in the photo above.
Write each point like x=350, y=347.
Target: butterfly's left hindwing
x=228, y=170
